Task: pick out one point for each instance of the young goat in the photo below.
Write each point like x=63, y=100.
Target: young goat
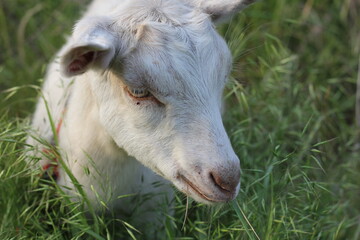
x=135, y=95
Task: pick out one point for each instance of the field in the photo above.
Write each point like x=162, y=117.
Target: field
x=290, y=114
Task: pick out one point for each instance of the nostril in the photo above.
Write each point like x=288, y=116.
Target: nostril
x=227, y=184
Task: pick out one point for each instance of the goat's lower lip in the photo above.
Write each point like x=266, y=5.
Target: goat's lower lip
x=197, y=190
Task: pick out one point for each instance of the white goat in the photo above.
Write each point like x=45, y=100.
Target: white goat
x=138, y=86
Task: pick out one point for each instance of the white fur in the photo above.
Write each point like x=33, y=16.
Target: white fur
x=170, y=48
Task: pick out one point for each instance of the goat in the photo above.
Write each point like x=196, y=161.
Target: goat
x=136, y=94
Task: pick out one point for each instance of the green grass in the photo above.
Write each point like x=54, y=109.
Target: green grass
x=290, y=115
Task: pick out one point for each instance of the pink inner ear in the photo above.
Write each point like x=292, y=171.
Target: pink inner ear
x=79, y=63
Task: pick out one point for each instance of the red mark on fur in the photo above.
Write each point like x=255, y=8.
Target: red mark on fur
x=53, y=166
x=58, y=127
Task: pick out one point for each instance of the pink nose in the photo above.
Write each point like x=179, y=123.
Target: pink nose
x=226, y=181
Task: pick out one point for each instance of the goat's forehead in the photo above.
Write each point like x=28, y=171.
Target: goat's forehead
x=178, y=60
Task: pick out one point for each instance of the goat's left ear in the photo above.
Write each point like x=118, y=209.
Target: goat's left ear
x=220, y=10
x=91, y=45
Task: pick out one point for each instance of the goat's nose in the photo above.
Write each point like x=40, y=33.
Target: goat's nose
x=226, y=182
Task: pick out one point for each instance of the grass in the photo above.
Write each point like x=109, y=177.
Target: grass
x=290, y=115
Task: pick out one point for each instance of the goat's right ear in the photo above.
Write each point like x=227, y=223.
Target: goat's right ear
x=222, y=10
x=91, y=45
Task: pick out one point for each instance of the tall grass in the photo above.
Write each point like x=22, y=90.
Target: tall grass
x=290, y=115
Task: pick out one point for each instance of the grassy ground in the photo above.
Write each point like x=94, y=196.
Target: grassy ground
x=290, y=115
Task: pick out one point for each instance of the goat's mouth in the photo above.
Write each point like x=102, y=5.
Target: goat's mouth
x=195, y=189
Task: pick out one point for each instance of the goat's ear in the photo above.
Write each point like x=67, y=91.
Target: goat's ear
x=224, y=9
x=91, y=45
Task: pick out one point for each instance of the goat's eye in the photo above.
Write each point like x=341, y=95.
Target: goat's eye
x=139, y=93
